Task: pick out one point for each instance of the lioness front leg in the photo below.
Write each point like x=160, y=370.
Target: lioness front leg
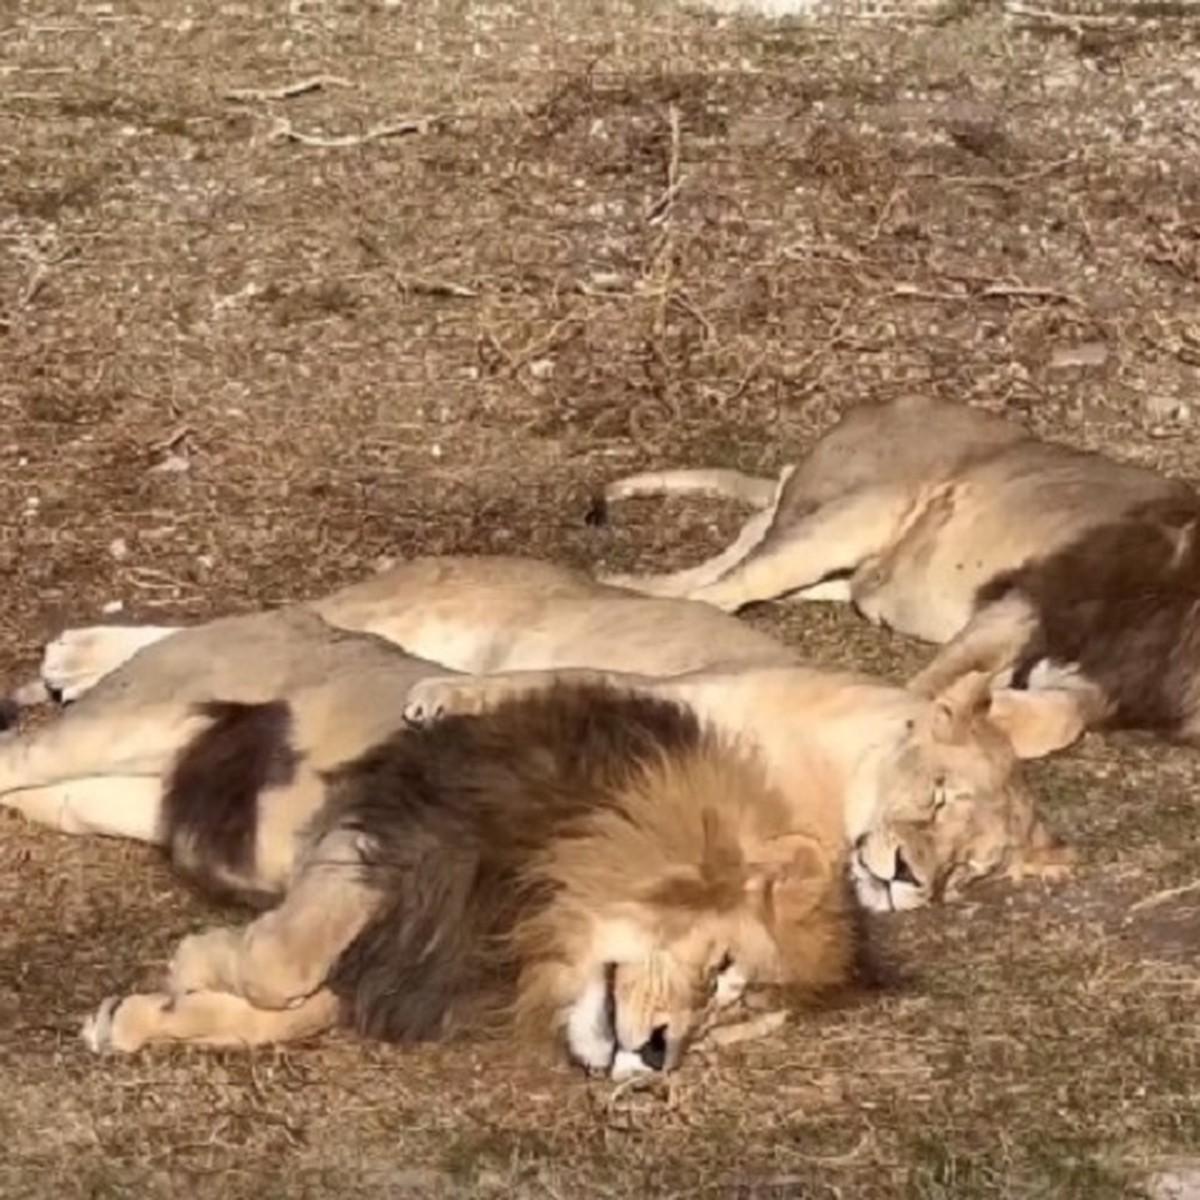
x=438, y=696
x=990, y=642
x=286, y=954
x=204, y=1019
x=804, y=556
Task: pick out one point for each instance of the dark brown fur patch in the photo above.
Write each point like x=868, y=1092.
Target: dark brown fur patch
x=210, y=803
x=451, y=814
x=1122, y=603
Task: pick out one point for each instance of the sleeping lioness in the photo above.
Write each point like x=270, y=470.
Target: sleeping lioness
x=926, y=791
x=1046, y=567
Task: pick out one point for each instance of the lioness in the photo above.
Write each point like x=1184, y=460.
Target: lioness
x=1044, y=566
x=929, y=792
x=584, y=865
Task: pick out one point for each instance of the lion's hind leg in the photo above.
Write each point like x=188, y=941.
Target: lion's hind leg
x=102, y=806
x=286, y=955
x=203, y=1019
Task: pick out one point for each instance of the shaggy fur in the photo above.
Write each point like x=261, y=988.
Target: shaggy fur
x=210, y=802
x=581, y=861
x=1050, y=568
x=1122, y=606
x=495, y=842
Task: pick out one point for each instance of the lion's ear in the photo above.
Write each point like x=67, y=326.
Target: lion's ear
x=955, y=707
x=1037, y=722
x=793, y=867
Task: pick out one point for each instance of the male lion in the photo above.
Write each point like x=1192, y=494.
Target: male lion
x=1042, y=565
x=581, y=864
x=927, y=792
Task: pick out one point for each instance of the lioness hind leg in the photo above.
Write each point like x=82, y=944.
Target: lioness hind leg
x=801, y=559
x=287, y=953
x=105, y=806
x=203, y=1019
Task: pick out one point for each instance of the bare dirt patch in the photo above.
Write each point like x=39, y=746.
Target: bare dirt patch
x=236, y=367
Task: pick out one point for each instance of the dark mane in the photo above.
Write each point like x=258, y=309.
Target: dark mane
x=1123, y=603
x=448, y=815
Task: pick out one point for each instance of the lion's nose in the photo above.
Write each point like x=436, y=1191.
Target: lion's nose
x=653, y=1052
x=902, y=872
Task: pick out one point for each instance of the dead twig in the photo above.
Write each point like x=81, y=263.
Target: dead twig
x=1167, y=894
x=660, y=211
x=301, y=87
x=285, y=132
x=436, y=287
x=1017, y=291
x=751, y=1030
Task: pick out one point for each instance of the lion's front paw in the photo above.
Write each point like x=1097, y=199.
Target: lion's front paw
x=119, y=1023
x=441, y=696
x=205, y=962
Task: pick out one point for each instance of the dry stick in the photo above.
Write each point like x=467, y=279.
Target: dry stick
x=436, y=287
x=300, y=88
x=747, y=1031
x=1153, y=901
x=283, y=131
x=994, y=291
x=660, y=210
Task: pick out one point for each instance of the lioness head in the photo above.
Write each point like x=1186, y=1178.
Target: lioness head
x=672, y=906
x=955, y=806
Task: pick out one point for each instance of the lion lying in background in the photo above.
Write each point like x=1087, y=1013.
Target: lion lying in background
x=579, y=865
x=1041, y=565
x=927, y=793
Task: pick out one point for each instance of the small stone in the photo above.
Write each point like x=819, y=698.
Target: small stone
x=119, y=549
x=1166, y=408
x=1086, y=354
x=112, y=607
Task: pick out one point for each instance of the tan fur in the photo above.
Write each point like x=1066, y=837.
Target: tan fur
x=704, y=862
x=499, y=616
x=891, y=753
x=911, y=510
x=697, y=862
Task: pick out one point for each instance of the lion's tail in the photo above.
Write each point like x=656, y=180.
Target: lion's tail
x=757, y=491
x=27, y=695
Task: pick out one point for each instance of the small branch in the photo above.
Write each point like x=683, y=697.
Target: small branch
x=436, y=287
x=660, y=210
x=1167, y=894
x=284, y=132
x=747, y=1031
x=1021, y=292
x=300, y=88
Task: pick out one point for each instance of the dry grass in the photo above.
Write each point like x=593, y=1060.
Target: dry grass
x=619, y=236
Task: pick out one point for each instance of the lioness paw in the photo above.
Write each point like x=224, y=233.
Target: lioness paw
x=110, y=1029
x=431, y=699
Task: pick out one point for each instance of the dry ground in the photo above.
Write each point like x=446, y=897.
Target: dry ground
x=236, y=368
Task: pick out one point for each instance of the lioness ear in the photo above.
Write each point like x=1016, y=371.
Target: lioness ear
x=957, y=705
x=1037, y=722
x=794, y=868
